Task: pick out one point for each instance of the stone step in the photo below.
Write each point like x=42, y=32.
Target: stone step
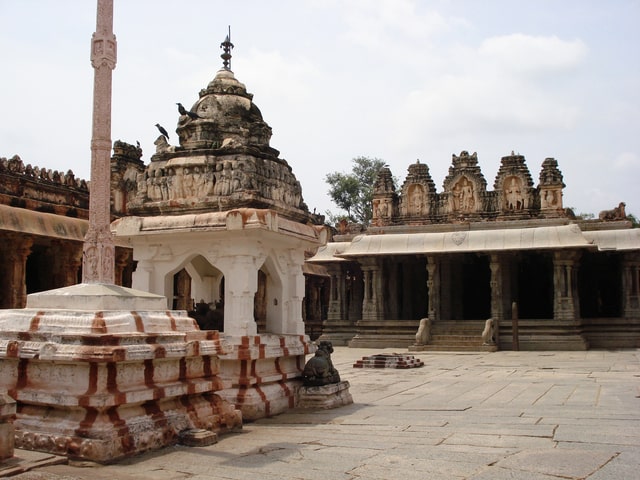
x=457, y=348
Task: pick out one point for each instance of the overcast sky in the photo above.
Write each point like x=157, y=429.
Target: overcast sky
x=398, y=80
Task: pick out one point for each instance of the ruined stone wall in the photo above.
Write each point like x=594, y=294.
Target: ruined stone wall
x=42, y=189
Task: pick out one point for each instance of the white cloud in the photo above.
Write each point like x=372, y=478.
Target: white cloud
x=532, y=54
x=475, y=90
x=288, y=80
x=627, y=161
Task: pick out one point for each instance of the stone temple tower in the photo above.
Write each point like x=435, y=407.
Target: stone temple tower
x=223, y=160
x=219, y=227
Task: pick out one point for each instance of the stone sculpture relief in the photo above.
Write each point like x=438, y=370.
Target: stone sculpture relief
x=549, y=198
x=513, y=195
x=417, y=200
x=463, y=196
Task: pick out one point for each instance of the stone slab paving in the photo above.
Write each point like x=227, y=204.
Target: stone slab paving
x=480, y=416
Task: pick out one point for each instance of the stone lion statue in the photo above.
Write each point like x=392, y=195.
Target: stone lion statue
x=319, y=370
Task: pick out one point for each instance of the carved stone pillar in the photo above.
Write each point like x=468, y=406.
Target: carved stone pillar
x=336, y=302
x=19, y=248
x=565, y=285
x=292, y=321
x=631, y=285
x=497, y=312
x=68, y=260
x=98, y=264
x=433, y=287
x=241, y=284
x=497, y=298
x=372, y=302
x=355, y=294
x=339, y=327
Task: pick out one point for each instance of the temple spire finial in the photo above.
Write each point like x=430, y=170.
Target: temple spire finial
x=227, y=46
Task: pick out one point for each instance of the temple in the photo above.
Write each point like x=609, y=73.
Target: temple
x=176, y=299
x=468, y=254
x=99, y=370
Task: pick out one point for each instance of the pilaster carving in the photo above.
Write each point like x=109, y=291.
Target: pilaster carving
x=565, y=275
x=433, y=287
x=631, y=285
x=17, y=250
x=495, y=265
x=372, y=306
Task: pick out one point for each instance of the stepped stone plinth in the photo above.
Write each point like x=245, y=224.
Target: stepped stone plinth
x=102, y=384
x=389, y=360
x=328, y=396
x=262, y=373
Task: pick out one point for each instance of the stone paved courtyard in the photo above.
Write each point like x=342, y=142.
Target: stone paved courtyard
x=503, y=415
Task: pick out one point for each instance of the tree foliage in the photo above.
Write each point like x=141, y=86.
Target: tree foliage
x=353, y=192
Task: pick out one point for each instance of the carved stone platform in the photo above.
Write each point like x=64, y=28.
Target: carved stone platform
x=325, y=396
x=105, y=384
x=389, y=360
x=262, y=373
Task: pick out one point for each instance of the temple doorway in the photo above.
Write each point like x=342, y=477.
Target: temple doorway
x=534, y=292
x=600, y=285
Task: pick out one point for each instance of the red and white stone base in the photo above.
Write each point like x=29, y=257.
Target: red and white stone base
x=263, y=373
x=102, y=385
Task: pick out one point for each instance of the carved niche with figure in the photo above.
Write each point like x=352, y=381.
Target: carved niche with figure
x=514, y=198
x=465, y=186
x=463, y=196
x=418, y=192
x=514, y=186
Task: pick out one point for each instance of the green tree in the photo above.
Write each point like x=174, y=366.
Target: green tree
x=353, y=192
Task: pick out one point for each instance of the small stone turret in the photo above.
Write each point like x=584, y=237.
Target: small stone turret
x=513, y=187
x=418, y=192
x=550, y=186
x=385, y=199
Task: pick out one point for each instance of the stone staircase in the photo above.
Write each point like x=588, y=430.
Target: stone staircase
x=456, y=336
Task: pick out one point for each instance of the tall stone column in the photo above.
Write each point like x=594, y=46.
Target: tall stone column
x=433, y=288
x=497, y=311
x=67, y=262
x=631, y=285
x=16, y=258
x=372, y=302
x=565, y=285
x=98, y=262
x=336, y=302
x=355, y=295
